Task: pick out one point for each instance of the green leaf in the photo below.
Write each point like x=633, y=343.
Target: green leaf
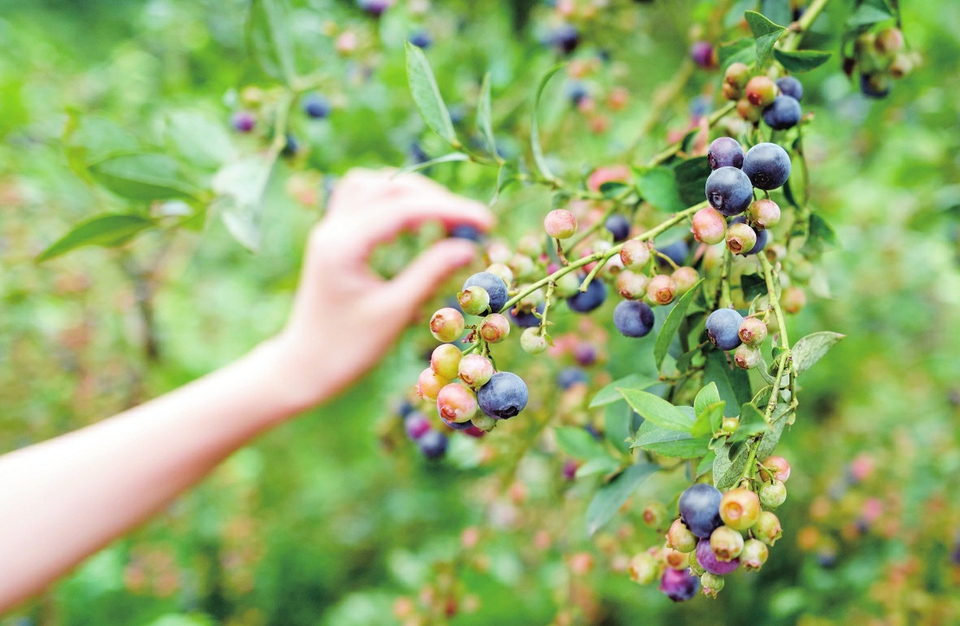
x=658, y=186
x=729, y=464
x=613, y=188
x=751, y=423
x=705, y=397
x=199, y=139
x=732, y=383
x=270, y=39
x=811, y=349
x=108, y=231
x=611, y=496
x=672, y=323
x=820, y=234
x=709, y=420
x=619, y=425
x=579, y=443
x=484, y=122
x=691, y=178
x=868, y=14
x=599, y=465
x=766, y=33
x=611, y=393
x=741, y=50
x=706, y=464
x=657, y=410
x=240, y=189
x=801, y=60
x=670, y=442
x=781, y=415
x=535, y=129
x=447, y=158
x=506, y=176
x=426, y=93
x=753, y=285
x=143, y=177
x=89, y=140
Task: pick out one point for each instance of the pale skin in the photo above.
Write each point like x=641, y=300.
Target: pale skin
x=64, y=499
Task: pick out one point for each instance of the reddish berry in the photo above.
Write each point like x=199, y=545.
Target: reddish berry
x=778, y=466
x=635, y=254
x=764, y=213
x=429, y=384
x=739, y=508
x=631, y=285
x=747, y=111
x=560, y=224
x=761, y=91
x=709, y=226
x=447, y=324
x=746, y=357
x=456, y=403
x=752, y=331
x=654, y=514
x=737, y=75
x=793, y=299
x=494, y=328
x=675, y=559
x=661, y=289
x=685, y=278
x=475, y=370
x=741, y=238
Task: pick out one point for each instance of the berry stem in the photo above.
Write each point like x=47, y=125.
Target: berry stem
x=792, y=40
x=586, y=232
x=675, y=147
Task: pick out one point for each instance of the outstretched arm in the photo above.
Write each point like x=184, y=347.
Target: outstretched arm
x=64, y=499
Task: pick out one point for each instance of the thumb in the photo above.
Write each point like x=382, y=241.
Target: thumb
x=421, y=278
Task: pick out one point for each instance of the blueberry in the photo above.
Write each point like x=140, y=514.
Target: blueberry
x=570, y=376
x=496, y=288
x=723, y=326
x=702, y=54
x=700, y=509
x=790, y=86
x=729, y=190
x=633, y=318
x=374, y=7
x=526, y=319
x=592, y=298
x=433, y=444
x=784, y=113
x=243, y=121
x=763, y=237
x=679, y=585
x=619, y=227
x=417, y=425
x=466, y=231
x=725, y=152
x=767, y=165
x=709, y=561
x=316, y=107
x=292, y=146
x=421, y=39
x=417, y=155
x=676, y=251
x=457, y=425
x=874, y=85
x=566, y=38
x=504, y=396
x=405, y=408
x=577, y=92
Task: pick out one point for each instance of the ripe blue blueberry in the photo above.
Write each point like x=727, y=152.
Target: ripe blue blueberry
x=577, y=92
x=433, y=444
x=767, y=165
x=619, y=227
x=790, y=86
x=874, y=85
x=417, y=154
x=526, y=319
x=457, y=425
x=633, y=318
x=679, y=585
x=316, y=107
x=496, y=288
x=504, y=396
x=570, y=376
x=566, y=38
x=592, y=298
x=784, y=113
x=466, y=231
x=676, y=251
x=708, y=560
x=725, y=152
x=405, y=408
x=374, y=7
x=421, y=39
x=723, y=326
x=700, y=509
x=729, y=190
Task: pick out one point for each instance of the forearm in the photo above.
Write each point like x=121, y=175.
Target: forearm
x=66, y=498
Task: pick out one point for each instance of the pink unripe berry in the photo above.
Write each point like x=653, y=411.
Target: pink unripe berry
x=474, y=300
x=635, y=254
x=475, y=370
x=445, y=360
x=793, y=299
x=680, y=538
x=532, y=341
x=661, y=289
x=644, y=568
x=739, y=508
x=761, y=91
x=709, y=226
x=752, y=331
x=767, y=529
x=447, y=324
x=685, y=278
x=754, y=554
x=773, y=494
x=746, y=356
x=747, y=111
x=778, y=466
x=741, y=238
x=560, y=224
x=737, y=75
x=631, y=285
x=889, y=41
x=494, y=328
x=763, y=213
x=429, y=384
x=456, y=403
x=726, y=543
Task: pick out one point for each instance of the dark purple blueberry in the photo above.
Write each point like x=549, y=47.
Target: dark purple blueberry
x=405, y=407
x=767, y=165
x=709, y=561
x=725, y=152
x=784, y=113
x=874, y=86
x=700, y=509
x=457, y=425
x=577, y=92
x=763, y=237
x=416, y=424
x=729, y=190
x=566, y=38
x=589, y=300
x=676, y=251
x=526, y=319
x=569, y=471
x=496, y=288
x=243, y=121
x=504, y=396
x=790, y=86
x=570, y=376
x=433, y=444
x=466, y=231
x=702, y=53
x=679, y=585
x=585, y=354
x=723, y=328
x=421, y=39
x=619, y=227
x=827, y=559
x=316, y=107
x=375, y=8
x=633, y=318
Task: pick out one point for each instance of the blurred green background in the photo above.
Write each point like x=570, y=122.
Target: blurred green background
x=331, y=518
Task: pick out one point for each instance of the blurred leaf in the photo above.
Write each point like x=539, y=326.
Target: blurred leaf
x=657, y=410
x=240, y=188
x=559, y=200
x=144, y=177
x=779, y=419
x=691, y=178
x=705, y=397
x=766, y=33
x=801, y=60
x=777, y=11
x=611, y=496
x=88, y=140
x=812, y=348
x=506, y=176
x=611, y=392
x=199, y=139
x=729, y=464
x=579, y=443
x=734, y=15
x=426, y=93
x=270, y=39
x=732, y=383
x=618, y=425
x=751, y=423
x=741, y=50
x=598, y=465
x=869, y=13
x=534, y=128
x=706, y=464
x=709, y=420
x=484, y=123
x=658, y=186
x=753, y=285
x=108, y=231
x=672, y=323
x=613, y=188
x=820, y=234
x=447, y=158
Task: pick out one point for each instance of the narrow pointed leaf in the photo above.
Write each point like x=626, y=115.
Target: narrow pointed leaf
x=103, y=230
x=447, y=158
x=766, y=33
x=801, y=60
x=484, y=122
x=426, y=94
x=534, y=128
x=811, y=349
x=611, y=496
x=672, y=323
x=657, y=410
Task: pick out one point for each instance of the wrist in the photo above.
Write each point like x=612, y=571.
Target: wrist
x=286, y=381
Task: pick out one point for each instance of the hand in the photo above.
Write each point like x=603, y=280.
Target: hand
x=345, y=317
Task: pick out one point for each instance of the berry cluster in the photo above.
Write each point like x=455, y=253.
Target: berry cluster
x=256, y=104
x=760, y=97
x=878, y=59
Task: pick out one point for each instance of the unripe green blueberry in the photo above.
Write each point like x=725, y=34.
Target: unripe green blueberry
x=778, y=466
x=709, y=226
x=675, y=559
x=680, y=538
x=763, y=213
x=644, y=568
x=741, y=238
x=456, y=403
x=445, y=360
x=793, y=299
x=494, y=328
x=761, y=91
x=560, y=224
x=746, y=357
x=429, y=384
x=474, y=300
x=484, y=422
x=530, y=245
x=475, y=370
x=685, y=278
x=522, y=266
x=447, y=324
x=739, y=508
x=711, y=584
x=752, y=331
x=773, y=494
x=747, y=111
x=631, y=285
x=729, y=425
x=737, y=75
x=567, y=285
x=767, y=529
x=655, y=514
x=754, y=554
x=502, y=271
x=532, y=341
x=635, y=254
x=661, y=289
x=889, y=41
x=726, y=543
